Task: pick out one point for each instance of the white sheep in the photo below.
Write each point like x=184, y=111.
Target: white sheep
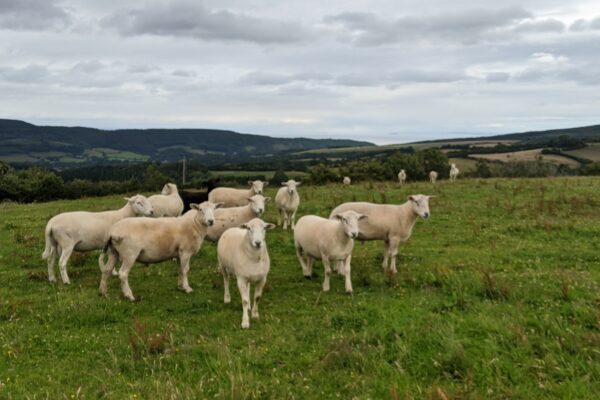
x=346, y=180
x=84, y=231
x=330, y=240
x=167, y=203
x=287, y=200
x=152, y=240
x=402, y=177
x=391, y=223
x=226, y=218
x=236, y=197
x=453, y=172
x=242, y=252
x=433, y=176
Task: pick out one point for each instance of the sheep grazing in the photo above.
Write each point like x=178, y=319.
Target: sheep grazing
x=287, y=200
x=402, y=177
x=346, y=180
x=391, y=223
x=189, y=197
x=226, y=218
x=152, y=240
x=167, y=203
x=85, y=231
x=453, y=172
x=330, y=240
x=242, y=252
x=433, y=176
x=236, y=197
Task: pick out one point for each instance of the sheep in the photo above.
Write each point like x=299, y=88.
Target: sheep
x=189, y=197
x=167, y=203
x=84, y=231
x=152, y=240
x=391, y=223
x=346, y=180
x=402, y=177
x=236, y=197
x=330, y=240
x=433, y=176
x=242, y=252
x=287, y=200
x=453, y=172
x=226, y=218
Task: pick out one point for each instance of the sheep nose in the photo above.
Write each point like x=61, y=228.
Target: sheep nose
x=354, y=235
x=426, y=215
x=257, y=244
x=210, y=222
x=260, y=210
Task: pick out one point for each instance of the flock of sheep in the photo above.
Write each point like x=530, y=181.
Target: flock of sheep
x=155, y=229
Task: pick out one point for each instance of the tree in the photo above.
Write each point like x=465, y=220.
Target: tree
x=153, y=178
x=280, y=176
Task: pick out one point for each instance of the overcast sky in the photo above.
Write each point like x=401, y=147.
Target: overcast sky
x=385, y=71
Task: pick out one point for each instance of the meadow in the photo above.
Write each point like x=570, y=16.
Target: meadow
x=496, y=298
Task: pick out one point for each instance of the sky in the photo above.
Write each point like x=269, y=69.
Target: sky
x=386, y=71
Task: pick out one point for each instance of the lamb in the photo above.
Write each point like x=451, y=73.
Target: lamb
x=402, y=177
x=391, y=223
x=242, y=252
x=346, y=180
x=433, y=176
x=226, y=218
x=84, y=231
x=189, y=197
x=453, y=172
x=330, y=240
x=167, y=203
x=152, y=240
x=287, y=200
x=236, y=197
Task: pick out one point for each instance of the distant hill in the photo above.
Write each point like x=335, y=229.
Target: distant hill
x=24, y=143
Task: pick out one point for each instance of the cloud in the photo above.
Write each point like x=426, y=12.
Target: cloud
x=583, y=24
x=33, y=15
x=193, y=20
x=541, y=26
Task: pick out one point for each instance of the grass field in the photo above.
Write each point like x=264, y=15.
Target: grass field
x=528, y=155
x=267, y=174
x=497, y=297
x=590, y=152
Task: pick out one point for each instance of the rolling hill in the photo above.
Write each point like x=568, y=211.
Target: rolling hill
x=24, y=143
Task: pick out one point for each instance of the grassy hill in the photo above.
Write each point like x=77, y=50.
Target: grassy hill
x=496, y=298
x=24, y=143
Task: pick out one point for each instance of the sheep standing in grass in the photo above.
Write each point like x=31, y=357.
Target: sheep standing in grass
x=84, y=231
x=152, y=240
x=236, y=197
x=330, y=240
x=242, y=252
x=167, y=203
x=402, y=177
x=391, y=223
x=346, y=180
x=226, y=218
x=287, y=200
x=433, y=176
x=453, y=172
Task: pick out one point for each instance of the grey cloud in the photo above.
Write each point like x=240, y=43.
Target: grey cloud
x=190, y=19
x=545, y=25
x=497, y=77
x=184, y=73
x=32, y=15
x=30, y=74
x=585, y=24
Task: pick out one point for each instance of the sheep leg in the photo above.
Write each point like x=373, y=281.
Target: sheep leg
x=327, y=269
x=244, y=287
x=293, y=218
x=124, y=277
x=184, y=268
x=107, y=269
x=386, y=255
x=310, y=262
x=393, y=248
x=279, y=217
x=51, y=261
x=303, y=264
x=62, y=262
x=226, y=295
x=346, y=267
x=257, y=294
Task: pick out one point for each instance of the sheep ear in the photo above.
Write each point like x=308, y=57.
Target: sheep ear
x=298, y=183
x=250, y=199
x=250, y=183
x=269, y=226
x=363, y=216
x=219, y=205
x=129, y=198
x=411, y=198
x=244, y=226
x=194, y=206
x=432, y=196
x=267, y=199
x=338, y=216
x=266, y=183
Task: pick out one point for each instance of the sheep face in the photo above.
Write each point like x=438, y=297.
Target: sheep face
x=140, y=205
x=206, y=212
x=349, y=220
x=291, y=186
x=257, y=203
x=257, y=229
x=420, y=204
x=258, y=186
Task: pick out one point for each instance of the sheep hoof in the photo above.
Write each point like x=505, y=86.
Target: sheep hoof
x=245, y=325
x=186, y=289
x=52, y=280
x=255, y=316
x=309, y=277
